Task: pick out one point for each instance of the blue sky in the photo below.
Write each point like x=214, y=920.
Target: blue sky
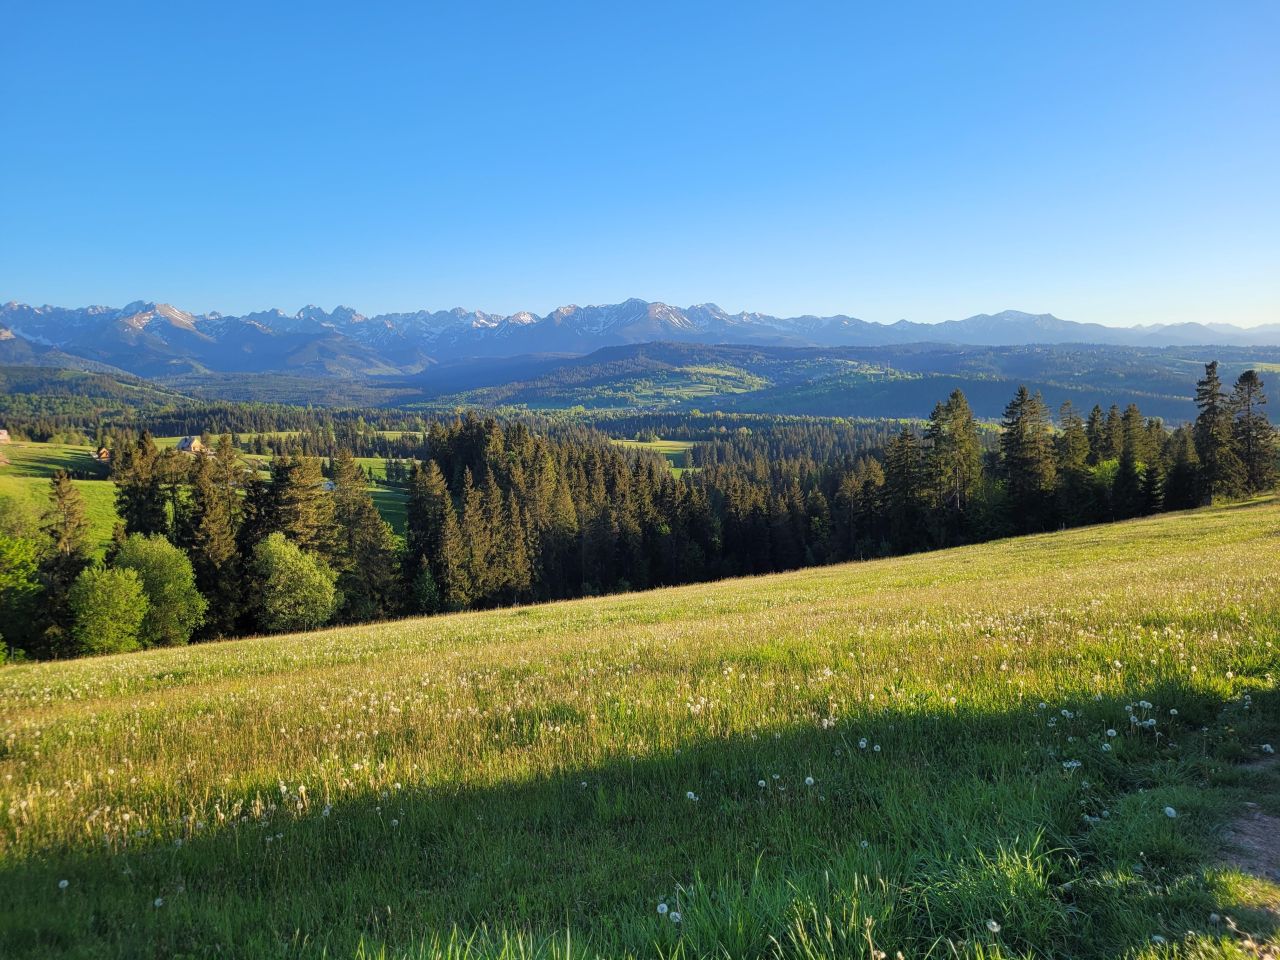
x=1107, y=162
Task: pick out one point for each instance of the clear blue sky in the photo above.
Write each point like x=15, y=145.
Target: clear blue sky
x=1108, y=162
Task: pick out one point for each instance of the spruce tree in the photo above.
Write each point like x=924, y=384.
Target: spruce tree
x=140, y=494
x=1027, y=460
x=365, y=558
x=953, y=464
x=65, y=557
x=299, y=505
x=904, y=491
x=1076, y=502
x=1221, y=472
x=1255, y=438
x=208, y=528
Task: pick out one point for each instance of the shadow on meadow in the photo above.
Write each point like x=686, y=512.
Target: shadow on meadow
x=961, y=822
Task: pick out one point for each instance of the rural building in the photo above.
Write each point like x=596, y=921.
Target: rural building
x=4, y=436
x=103, y=455
x=190, y=445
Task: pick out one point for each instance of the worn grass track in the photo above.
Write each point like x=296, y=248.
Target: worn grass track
x=537, y=781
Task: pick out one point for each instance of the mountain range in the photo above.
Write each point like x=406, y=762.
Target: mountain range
x=158, y=339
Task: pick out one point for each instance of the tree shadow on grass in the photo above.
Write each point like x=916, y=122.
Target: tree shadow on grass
x=971, y=827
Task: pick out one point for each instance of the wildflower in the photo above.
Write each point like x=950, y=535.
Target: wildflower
x=1268, y=748
x=675, y=916
x=662, y=909
x=159, y=902
x=1106, y=748
x=1170, y=812
x=1110, y=732
x=862, y=743
x=876, y=748
x=808, y=781
x=1173, y=712
x=63, y=884
x=760, y=783
x=395, y=823
x=993, y=926
x=691, y=795
x=865, y=844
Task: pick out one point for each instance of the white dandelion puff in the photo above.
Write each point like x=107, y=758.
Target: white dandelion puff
x=63, y=884
x=1170, y=812
x=662, y=909
x=993, y=926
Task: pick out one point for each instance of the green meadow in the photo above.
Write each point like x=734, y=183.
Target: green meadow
x=1034, y=747
x=24, y=479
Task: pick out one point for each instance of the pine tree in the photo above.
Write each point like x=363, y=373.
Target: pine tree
x=299, y=506
x=953, y=464
x=1026, y=449
x=1255, y=438
x=1095, y=431
x=904, y=491
x=1126, y=496
x=1221, y=472
x=66, y=556
x=1182, y=483
x=365, y=558
x=208, y=528
x=454, y=581
x=1076, y=501
x=477, y=539
x=140, y=495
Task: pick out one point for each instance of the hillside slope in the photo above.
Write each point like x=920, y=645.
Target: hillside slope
x=883, y=756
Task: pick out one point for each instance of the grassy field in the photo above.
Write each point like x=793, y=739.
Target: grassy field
x=676, y=451
x=1027, y=748
x=25, y=479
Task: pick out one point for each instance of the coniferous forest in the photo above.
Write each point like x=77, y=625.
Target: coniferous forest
x=525, y=508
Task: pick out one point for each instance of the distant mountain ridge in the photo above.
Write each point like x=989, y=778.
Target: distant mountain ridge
x=155, y=339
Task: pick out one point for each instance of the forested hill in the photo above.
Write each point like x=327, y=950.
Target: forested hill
x=498, y=512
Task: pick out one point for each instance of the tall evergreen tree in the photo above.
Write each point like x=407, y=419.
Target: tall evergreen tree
x=140, y=494
x=1076, y=501
x=953, y=464
x=1182, y=482
x=1255, y=438
x=904, y=491
x=299, y=505
x=365, y=558
x=209, y=528
x=1027, y=460
x=1221, y=472
x=65, y=557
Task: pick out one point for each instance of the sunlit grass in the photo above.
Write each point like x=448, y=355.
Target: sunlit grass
x=910, y=754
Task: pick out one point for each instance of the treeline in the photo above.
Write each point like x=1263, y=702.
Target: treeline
x=498, y=514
